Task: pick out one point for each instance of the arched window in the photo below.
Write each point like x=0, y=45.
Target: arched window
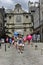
x=18, y=18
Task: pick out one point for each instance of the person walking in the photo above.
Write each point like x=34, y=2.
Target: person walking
x=15, y=42
x=7, y=40
x=20, y=44
x=10, y=42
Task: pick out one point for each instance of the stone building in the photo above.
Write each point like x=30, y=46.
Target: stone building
x=37, y=14
x=18, y=20
x=34, y=10
x=2, y=22
x=41, y=19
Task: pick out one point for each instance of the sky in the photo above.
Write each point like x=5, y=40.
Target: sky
x=10, y=4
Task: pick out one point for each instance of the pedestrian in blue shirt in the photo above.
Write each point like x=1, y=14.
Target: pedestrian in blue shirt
x=10, y=42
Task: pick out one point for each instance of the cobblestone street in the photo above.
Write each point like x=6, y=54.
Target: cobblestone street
x=29, y=57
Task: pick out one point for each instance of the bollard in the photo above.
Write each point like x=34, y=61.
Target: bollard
x=5, y=47
x=36, y=47
x=42, y=51
x=0, y=45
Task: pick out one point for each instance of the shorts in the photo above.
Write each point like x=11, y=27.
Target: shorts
x=20, y=44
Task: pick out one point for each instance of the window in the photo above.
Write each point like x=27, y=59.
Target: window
x=18, y=18
x=5, y=15
x=9, y=17
x=24, y=28
x=18, y=10
x=26, y=16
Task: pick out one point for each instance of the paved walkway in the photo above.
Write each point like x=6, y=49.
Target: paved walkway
x=29, y=57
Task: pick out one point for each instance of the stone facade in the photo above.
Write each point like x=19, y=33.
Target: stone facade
x=2, y=22
x=18, y=20
x=34, y=10
x=41, y=19
x=38, y=19
x=41, y=9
